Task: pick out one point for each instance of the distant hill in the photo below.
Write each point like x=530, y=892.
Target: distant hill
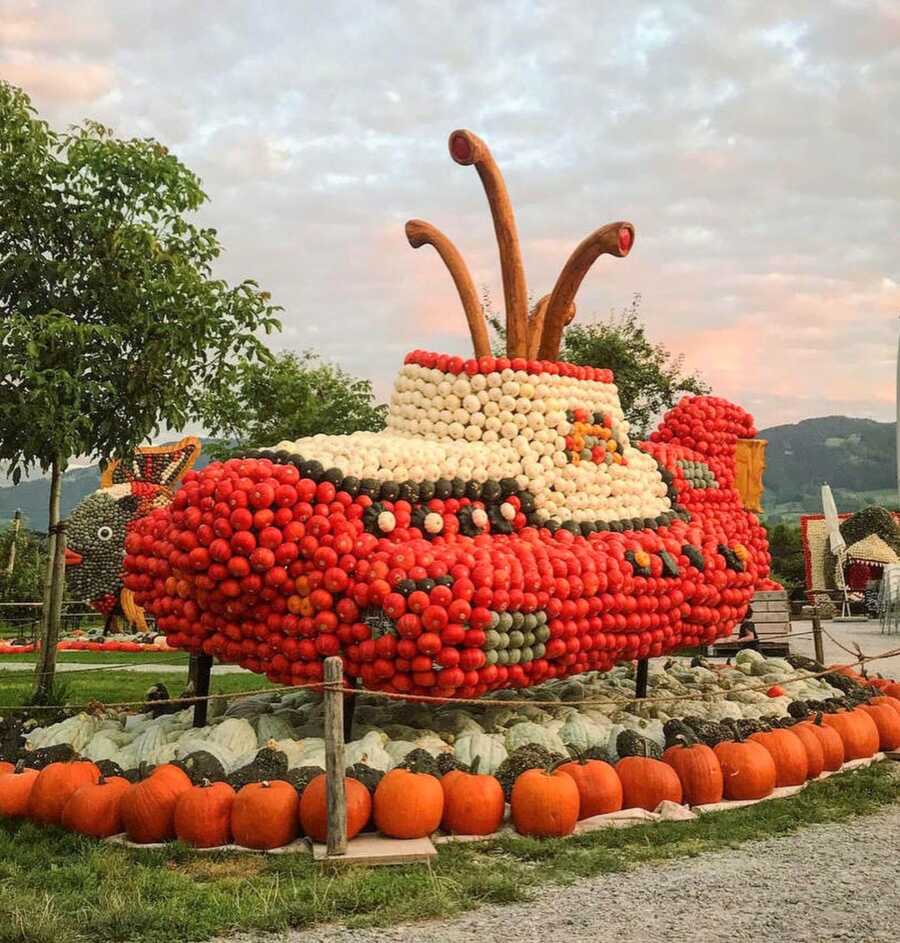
x=857, y=457
x=32, y=496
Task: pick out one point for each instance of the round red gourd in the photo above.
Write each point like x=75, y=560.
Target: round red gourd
x=203, y=815
x=94, y=809
x=647, y=782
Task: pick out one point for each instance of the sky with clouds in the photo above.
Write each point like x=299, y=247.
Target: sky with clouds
x=753, y=145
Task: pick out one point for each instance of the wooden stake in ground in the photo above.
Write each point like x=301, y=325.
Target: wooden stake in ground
x=817, y=636
x=334, y=756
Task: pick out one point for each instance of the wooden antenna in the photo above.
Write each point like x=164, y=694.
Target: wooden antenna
x=467, y=148
x=419, y=233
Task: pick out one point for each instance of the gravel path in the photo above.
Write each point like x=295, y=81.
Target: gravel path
x=825, y=883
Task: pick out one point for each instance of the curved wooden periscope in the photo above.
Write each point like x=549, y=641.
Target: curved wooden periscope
x=419, y=233
x=467, y=148
x=536, y=324
x=613, y=239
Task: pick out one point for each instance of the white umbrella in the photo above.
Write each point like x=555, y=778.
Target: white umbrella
x=832, y=523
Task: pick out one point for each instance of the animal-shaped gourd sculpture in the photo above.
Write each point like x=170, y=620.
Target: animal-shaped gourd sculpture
x=502, y=530
x=97, y=529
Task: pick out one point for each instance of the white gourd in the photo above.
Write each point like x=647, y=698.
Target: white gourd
x=397, y=749
x=433, y=745
x=487, y=748
x=292, y=749
x=273, y=727
x=524, y=733
x=125, y=758
x=149, y=745
x=370, y=750
x=99, y=748
x=236, y=734
x=582, y=733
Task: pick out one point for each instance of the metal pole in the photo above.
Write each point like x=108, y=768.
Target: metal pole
x=201, y=688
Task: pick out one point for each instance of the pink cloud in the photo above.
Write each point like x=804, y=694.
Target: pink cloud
x=56, y=81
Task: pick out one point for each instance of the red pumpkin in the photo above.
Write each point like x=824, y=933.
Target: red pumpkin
x=314, y=808
x=787, y=751
x=599, y=787
x=265, y=815
x=407, y=804
x=748, y=770
x=858, y=732
x=545, y=804
x=54, y=787
x=647, y=782
x=892, y=690
x=148, y=807
x=203, y=815
x=473, y=804
x=15, y=792
x=94, y=809
x=815, y=755
x=698, y=770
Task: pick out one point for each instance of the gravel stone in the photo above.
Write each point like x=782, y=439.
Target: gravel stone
x=823, y=883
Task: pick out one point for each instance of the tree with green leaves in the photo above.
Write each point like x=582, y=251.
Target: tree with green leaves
x=112, y=322
x=294, y=395
x=650, y=379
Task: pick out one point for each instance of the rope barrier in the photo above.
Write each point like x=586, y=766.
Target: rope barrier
x=428, y=699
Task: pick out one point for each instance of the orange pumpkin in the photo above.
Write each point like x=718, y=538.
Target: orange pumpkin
x=545, y=804
x=815, y=755
x=54, y=787
x=647, y=782
x=858, y=732
x=599, y=787
x=892, y=702
x=265, y=815
x=314, y=808
x=698, y=771
x=94, y=809
x=148, y=807
x=829, y=740
x=203, y=815
x=892, y=690
x=407, y=804
x=15, y=792
x=748, y=770
x=789, y=754
x=887, y=720
x=473, y=804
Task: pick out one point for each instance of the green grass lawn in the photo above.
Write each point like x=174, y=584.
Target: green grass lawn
x=58, y=888
x=109, y=686
x=104, y=658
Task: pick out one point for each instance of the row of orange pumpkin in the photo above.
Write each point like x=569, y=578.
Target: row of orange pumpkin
x=409, y=805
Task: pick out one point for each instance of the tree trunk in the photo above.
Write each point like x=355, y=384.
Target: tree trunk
x=53, y=593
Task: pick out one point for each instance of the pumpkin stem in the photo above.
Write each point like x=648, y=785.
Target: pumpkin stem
x=20, y=766
x=205, y=783
x=555, y=765
x=473, y=769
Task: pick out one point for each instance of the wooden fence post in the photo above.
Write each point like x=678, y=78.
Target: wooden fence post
x=334, y=757
x=640, y=681
x=201, y=688
x=817, y=636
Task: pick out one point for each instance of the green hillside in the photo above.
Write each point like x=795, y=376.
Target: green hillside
x=857, y=457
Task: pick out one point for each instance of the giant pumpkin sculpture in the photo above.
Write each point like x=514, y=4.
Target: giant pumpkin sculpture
x=502, y=530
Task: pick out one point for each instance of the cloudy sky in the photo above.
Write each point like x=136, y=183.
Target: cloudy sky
x=756, y=152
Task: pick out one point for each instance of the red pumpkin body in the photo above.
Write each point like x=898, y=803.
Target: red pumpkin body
x=473, y=804
x=545, y=804
x=815, y=755
x=148, y=807
x=314, y=808
x=857, y=731
x=55, y=785
x=94, y=808
x=748, y=770
x=203, y=815
x=408, y=805
x=647, y=782
x=599, y=787
x=265, y=815
x=699, y=772
x=789, y=754
x=15, y=792
x=887, y=720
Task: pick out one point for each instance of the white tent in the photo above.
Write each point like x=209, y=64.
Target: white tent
x=836, y=542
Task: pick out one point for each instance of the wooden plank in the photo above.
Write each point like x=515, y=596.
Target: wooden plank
x=769, y=594
x=375, y=850
x=758, y=617
x=334, y=757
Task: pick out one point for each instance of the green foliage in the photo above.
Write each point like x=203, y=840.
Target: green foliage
x=292, y=396
x=26, y=582
x=649, y=378
x=786, y=548
x=113, y=323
